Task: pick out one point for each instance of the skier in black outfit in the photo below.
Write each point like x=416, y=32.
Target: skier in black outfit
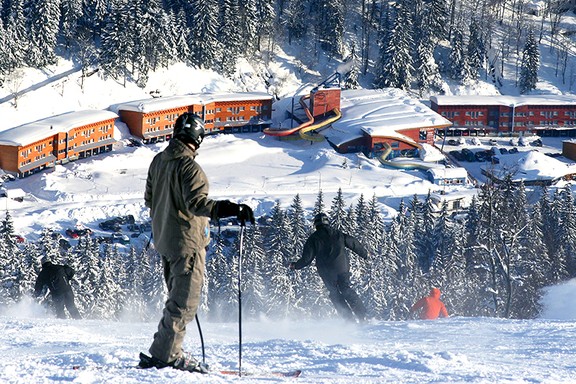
x=328, y=245
x=57, y=279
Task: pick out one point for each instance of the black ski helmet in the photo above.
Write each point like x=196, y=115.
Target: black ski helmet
x=321, y=219
x=189, y=128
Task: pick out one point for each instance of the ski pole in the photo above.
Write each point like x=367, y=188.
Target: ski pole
x=240, y=299
x=201, y=339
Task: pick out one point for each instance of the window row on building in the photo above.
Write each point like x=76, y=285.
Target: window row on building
x=508, y=114
x=32, y=147
x=152, y=120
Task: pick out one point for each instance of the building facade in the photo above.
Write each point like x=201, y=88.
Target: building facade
x=152, y=120
x=546, y=115
x=32, y=147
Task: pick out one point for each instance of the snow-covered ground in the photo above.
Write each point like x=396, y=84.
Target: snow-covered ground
x=36, y=349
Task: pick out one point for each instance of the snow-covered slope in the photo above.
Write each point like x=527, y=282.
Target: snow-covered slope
x=453, y=350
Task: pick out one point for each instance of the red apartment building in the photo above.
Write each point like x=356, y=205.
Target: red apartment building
x=32, y=147
x=153, y=119
x=545, y=115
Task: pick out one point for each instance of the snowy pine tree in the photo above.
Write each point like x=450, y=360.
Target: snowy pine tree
x=338, y=211
x=319, y=204
x=43, y=22
x=281, y=289
x=117, y=44
x=254, y=264
x=530, y=64
x=203, y=40
x=476, y=52
x=353, y=65
x=459, y=69
x=296, y=20
x=395, y=67
x=230, y=35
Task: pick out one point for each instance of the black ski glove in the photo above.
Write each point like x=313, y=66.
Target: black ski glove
x=226, y=208
x=245, y=213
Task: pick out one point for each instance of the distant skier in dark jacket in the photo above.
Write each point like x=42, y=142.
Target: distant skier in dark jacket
x=57, y=279
x=328, y=246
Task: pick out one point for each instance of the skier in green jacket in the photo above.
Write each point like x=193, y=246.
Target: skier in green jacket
x=177, y=195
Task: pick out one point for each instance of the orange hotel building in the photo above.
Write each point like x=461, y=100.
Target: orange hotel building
x=152, y=120
x=32, y=147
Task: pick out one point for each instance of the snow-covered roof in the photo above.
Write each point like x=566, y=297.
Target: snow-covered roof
x=465, y=196
x=157, y=104
x=430, y=153
x=170, y=102
x=240, y=96
x=448, y=173
x=12, y=193
x=533, y=165
x=31, y=132
x=504, y=100
x=382, y=112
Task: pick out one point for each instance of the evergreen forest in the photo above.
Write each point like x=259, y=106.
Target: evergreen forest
x=415, y=45
x=493, y=261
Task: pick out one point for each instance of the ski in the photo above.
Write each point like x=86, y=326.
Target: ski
x=294, y=373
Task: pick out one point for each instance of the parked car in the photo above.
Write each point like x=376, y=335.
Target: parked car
x=522, y=141
x=553, y=154
x=146, y=227
x=104, y=239
x=110, y=225
x=134, y=228
x=493, y=142
x=128, y=219
x=457, y=155
x=513, y=150
x=536, y=143
x=120, y=238
x=76, y=233
x=503, y=151
x=475, y=141
x=115, y=223
x=132, y=142
x=453, y=142
x=468, y=155
x=483, y=155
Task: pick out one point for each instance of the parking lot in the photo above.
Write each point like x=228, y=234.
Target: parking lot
x=473, y=152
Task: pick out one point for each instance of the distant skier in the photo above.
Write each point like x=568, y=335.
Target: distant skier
x=429, y=307
x=57, y=279
x=328, y=246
